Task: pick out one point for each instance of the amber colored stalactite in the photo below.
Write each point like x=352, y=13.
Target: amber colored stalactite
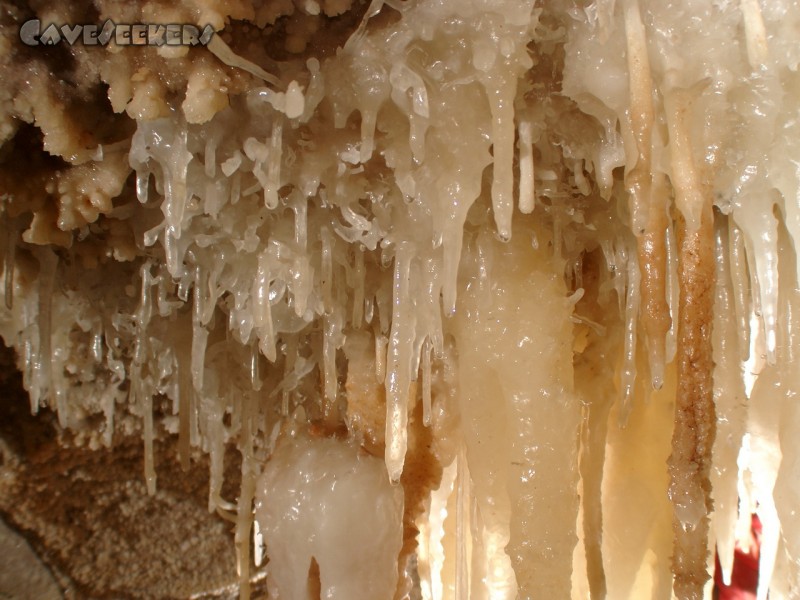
x=421, y=475
x=693, y=435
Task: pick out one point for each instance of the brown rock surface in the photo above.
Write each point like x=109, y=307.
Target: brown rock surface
x=87, y=515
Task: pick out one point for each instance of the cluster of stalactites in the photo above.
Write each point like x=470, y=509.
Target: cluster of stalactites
x=286, y=226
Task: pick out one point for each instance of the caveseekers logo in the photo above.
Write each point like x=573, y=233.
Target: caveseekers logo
x=137, y=34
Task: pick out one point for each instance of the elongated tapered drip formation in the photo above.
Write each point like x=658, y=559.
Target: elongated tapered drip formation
x=695, y=417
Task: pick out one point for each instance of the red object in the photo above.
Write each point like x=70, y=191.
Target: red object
x=744, y=578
